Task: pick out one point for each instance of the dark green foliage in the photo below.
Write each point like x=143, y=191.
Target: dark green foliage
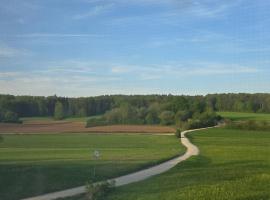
x=145, y=109
x=10, y=117
x=152, y=118
x=96, y=121
x=167, y=117
x=59, y=111
x=205, y=119
x=183, y=115
x=178, y=133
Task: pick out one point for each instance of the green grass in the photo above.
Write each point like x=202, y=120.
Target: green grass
x=36, y=164
x=240, y=116
x=233, y=165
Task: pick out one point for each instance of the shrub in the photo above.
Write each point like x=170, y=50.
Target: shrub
x=98, y=191
x=96, y=121
x=202, y=120
x=178, y=133
x=11, y=117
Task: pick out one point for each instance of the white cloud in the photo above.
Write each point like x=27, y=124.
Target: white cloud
x=8, y=52
x=183, y=69
x=120, y=69
x=8, y=74
x=85, y=78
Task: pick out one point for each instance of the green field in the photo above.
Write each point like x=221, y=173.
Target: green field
x=37, y=164
x=233, y=165
x=239, y=116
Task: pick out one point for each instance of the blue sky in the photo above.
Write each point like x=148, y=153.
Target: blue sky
x=96, y=47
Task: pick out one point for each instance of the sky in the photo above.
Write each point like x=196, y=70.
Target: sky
x=95, y=47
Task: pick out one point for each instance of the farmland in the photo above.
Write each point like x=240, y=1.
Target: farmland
x=75, y=127
x=39, y=163
x=43, y=125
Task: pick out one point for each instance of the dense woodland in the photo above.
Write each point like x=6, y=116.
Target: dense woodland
x=132, y=109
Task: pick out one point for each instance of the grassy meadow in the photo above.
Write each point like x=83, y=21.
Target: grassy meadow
x=233, y=165
x=241, y=116
x=36, y=164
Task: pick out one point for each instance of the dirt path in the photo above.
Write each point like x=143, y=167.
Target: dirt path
x=192, y=150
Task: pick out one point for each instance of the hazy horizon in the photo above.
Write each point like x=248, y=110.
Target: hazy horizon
x=91, y=48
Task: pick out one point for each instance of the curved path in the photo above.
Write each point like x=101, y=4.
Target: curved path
x=192, y=150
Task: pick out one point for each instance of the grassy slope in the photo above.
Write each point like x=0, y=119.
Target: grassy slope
x=36, y=164
x=233, y=165
x=235, y=116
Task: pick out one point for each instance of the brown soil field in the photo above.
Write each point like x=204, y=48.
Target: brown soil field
x=39, y=127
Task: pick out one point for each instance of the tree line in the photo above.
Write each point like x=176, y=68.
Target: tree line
x=149, y=109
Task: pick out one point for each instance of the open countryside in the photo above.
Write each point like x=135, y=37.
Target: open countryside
x=134, y=100
x=44, y=150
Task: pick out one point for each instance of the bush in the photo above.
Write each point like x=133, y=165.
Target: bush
x=202, y=120
x=11, y=117
x=98, y=191
x=96, y=121
x=178, y=133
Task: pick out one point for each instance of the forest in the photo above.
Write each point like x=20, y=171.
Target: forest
x=133, y=109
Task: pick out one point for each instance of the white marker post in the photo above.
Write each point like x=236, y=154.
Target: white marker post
x=96, y=156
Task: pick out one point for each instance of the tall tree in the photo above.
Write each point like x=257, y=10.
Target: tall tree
x=59, y=111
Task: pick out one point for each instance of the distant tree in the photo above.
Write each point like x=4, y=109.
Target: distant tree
x=152, y=118
x=59, y=111
x=1, y=115
x=167, y=117
x=114, y=116
x=142, y=113
x=183, y=115
x=134, y=109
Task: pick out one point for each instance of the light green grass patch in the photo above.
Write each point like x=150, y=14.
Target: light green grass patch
x=240, y=116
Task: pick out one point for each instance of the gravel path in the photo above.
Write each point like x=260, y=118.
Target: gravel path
x=192, y=150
